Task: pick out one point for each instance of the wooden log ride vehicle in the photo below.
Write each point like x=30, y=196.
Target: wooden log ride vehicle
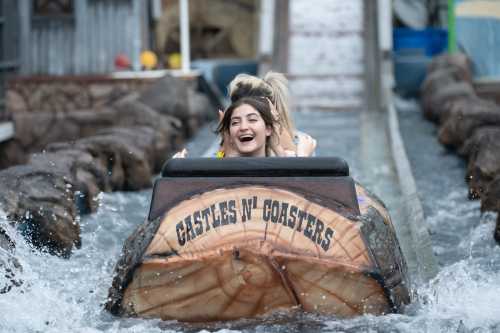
x=242, y=237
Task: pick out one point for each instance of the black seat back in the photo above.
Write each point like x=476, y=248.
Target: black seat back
x=256, y=167
x=324, y=180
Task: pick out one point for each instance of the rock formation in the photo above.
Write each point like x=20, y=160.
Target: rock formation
x=468, y=123
x=113, y=147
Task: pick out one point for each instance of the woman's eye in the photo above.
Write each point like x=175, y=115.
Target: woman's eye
x=234, y=123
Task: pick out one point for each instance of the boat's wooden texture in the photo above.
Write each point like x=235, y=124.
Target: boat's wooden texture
x=247, y=247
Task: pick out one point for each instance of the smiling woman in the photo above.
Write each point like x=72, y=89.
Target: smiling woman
x=248, y=123
x=274, y=87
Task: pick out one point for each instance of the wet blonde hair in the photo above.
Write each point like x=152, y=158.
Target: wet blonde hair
x=273, y=86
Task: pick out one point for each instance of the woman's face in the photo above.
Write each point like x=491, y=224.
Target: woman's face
x=248, y=131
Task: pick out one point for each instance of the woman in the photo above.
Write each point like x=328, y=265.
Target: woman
x=248, y=126
x=273, y=86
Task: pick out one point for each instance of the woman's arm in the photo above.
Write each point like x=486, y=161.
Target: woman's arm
x=181, y=154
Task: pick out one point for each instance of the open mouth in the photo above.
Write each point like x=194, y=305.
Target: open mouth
x=246, y=138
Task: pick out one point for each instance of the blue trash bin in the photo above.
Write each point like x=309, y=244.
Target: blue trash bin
x=413, y=50
x=429, y=41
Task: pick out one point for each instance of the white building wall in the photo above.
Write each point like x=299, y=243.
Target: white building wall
x=326, y=53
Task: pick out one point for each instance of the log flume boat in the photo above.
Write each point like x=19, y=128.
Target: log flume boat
x=242, y=237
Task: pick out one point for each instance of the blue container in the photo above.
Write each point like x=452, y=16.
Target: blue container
x=413, y=50
x=430, y=41
x=409, y=73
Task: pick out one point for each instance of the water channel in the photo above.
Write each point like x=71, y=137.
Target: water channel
x=60, y=295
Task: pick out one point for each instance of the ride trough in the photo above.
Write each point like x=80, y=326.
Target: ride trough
x=243, y=237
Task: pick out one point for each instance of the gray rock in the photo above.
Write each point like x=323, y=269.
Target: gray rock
x=483, y=151
x=169, y=96
x=135, y=149
x=455, y=108
x=88, y=175
x=439, y=78
x=36, y=130
x=434, y=102
x=174, y=97
x=460, y=61
x=168, y=129
x=462, y=122
x=490, y=200
x=40, y=202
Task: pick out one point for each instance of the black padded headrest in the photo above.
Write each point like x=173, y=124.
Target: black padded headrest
x=256, y=167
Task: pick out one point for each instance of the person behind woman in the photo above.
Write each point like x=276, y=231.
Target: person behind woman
x=288, y=141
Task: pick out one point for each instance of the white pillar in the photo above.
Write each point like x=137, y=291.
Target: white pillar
x=385, y=25
x=137, y=38
x=266, y=29
x=184, y=25
x=156, y=9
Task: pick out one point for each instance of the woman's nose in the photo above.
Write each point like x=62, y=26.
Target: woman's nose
x=243, y=125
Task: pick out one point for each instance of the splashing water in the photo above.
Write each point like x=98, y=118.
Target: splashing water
x=61, y=295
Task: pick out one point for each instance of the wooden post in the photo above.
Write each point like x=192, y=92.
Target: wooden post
x=372, y=56
x=281, y=37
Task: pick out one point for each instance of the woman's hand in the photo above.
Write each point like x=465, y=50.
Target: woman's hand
x=306, y=145
x=180, y=154
x=280, y=151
